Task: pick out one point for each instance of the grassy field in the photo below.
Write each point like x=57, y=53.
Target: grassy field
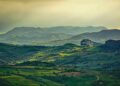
x=36, y=76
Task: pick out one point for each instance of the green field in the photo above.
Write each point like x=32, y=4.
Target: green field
x=36, y=76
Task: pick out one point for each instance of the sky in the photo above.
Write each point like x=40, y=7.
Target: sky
x=45, y=13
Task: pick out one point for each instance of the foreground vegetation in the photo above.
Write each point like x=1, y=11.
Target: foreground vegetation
x=67, y=65
x=53, y=76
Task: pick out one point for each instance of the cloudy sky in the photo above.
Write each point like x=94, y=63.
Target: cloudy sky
x=14, y=13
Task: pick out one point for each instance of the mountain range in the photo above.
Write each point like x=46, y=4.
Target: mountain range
x=98, y=37
x=55, y=36
x=39, y=36
x=101, y=36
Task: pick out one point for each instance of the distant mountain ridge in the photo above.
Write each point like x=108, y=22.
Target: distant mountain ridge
x=74, y=30
x=99, y=37
x=38, y=36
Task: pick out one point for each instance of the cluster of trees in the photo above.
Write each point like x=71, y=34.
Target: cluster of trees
x=111, y=45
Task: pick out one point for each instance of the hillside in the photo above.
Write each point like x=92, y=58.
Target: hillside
x=30, y=36
x=99, y=37
x=68, y=54
x=10, y=53
x=82, y=57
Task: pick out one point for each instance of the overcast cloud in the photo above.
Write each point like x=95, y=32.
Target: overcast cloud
x=15, y=13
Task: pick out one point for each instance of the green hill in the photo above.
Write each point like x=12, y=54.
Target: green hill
x=85, y=57
x=11, y=53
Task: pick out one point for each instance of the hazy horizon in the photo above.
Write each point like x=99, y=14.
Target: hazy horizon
x=45, y=27
x=48, y=13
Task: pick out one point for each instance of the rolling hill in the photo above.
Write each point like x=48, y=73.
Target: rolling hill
x=69, y=54
x=12, y=53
